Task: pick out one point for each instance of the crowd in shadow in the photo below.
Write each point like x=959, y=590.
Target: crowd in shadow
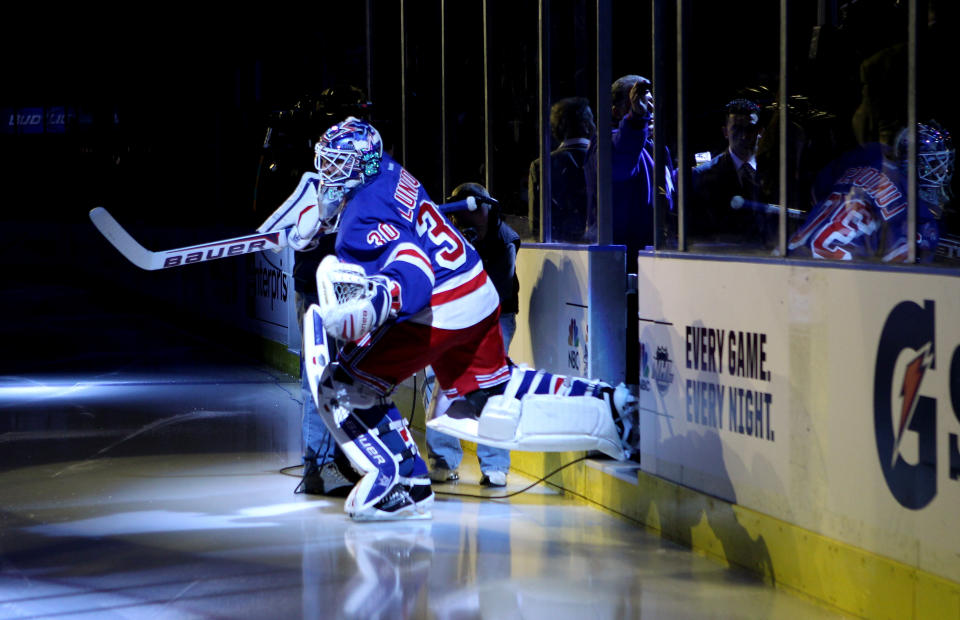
x=848, y=153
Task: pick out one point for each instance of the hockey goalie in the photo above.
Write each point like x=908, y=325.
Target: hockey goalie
x=404, y=291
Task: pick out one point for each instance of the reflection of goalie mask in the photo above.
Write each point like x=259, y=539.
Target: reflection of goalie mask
x=935, y=155
x=348, y=155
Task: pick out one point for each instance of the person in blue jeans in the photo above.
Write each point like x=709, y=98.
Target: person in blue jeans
x=497, y=245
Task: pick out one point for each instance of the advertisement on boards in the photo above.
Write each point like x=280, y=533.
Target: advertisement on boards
x=826, y=397
x=270, y=294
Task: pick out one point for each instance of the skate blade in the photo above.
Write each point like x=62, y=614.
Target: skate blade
x=400, y=515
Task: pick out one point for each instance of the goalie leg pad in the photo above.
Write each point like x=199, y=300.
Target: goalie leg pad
x=541, y=423
x=374, y=436
x=316, y=353
x=370, y=455
x=392, y=430
x=399, y=487
x=542, y=412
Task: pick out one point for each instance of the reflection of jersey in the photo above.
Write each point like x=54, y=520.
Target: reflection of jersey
x=391, y=227
x=861, y=212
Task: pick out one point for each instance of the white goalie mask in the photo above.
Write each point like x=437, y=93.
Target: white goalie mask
x=347, y=155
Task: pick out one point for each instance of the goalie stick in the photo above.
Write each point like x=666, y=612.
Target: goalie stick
x=165, y=259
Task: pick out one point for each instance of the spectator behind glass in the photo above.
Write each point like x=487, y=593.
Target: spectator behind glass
x=571, y=124
x=632, y=167
x=715, y=215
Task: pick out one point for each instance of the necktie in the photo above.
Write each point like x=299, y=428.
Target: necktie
x=747, y=177
x=748, y=182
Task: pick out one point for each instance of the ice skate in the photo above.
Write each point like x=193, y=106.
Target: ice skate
x=402, y=502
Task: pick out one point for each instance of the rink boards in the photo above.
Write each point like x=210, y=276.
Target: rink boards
x=799, y=420
x=825, y=397
x=572, y=310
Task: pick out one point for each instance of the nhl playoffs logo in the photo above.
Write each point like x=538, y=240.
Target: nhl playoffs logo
x=663, y=370
x=905, y=421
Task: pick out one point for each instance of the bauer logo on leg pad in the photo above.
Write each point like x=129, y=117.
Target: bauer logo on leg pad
x=369, y=454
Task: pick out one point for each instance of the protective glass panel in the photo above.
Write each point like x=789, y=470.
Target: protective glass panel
x=514, y=132
x=634, y=190
x=464, y=156
x=937, y=52
x=571, y=93
x=851, y=179
x=732, y=79
x=664, y=131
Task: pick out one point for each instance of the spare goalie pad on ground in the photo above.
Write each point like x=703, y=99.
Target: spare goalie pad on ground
x=542, y=412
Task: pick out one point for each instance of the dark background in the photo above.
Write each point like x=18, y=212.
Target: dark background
x=167, y=108
x=167, y=111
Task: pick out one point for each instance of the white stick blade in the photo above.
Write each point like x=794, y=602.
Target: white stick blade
x=121, y=239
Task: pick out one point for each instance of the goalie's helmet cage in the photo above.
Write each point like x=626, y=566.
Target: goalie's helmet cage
x=348, y=154
x=935, y=161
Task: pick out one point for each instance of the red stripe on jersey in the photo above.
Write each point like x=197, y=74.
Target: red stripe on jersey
x=459, y=291
x=396, y=297
x=493, y=379
x=416, y=254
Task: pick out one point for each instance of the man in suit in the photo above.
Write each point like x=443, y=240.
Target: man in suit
x=717, y=213
x=572, y=126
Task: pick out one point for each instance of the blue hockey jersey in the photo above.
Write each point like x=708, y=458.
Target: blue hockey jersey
x=860, y=211
x=390, y=227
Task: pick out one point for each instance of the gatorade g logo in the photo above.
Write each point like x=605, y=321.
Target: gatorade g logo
x=905, y=420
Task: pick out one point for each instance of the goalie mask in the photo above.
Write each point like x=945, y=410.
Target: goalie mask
x=935, y=155
x=348, y=155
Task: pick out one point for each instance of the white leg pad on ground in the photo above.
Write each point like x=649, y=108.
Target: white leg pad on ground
x=540, y=423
